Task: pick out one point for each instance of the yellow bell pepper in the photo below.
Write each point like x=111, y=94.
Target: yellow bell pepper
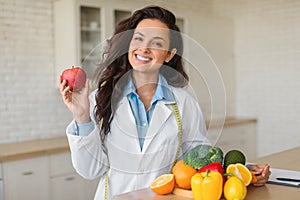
x=207, y=185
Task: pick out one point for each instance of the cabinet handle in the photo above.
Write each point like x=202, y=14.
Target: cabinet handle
x=27, y=173
x=70, y=178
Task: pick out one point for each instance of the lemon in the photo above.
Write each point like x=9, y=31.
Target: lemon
x=234, y=156
x=240, y=171
x=235, y=189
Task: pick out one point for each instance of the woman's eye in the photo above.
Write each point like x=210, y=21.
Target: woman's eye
x=138, y=39
x=157, y=44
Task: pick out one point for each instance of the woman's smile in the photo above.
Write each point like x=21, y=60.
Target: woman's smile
x=143, y=59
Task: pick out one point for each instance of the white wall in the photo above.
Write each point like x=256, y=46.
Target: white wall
x=267, y=55
x=30, y=107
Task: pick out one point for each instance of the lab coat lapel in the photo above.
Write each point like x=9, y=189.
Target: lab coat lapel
x=159, y=117
x=125, y=119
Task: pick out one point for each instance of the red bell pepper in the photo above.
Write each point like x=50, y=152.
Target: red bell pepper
x=213, y=167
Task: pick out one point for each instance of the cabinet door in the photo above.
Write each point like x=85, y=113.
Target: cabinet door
x=26, y=179
x=65, y=183
x=90, y=188
x=67, y=187
x=90, y=31
x=61, y=164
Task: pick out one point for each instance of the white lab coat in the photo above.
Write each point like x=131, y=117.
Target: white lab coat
x=131, y=168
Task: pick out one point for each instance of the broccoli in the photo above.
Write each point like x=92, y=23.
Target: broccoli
x=203, y=155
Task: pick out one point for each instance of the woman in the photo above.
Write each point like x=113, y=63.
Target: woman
x=146, y=120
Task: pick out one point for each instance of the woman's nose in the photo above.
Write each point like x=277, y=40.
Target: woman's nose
x=144, y=47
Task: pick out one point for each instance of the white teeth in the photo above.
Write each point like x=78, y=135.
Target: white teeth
x=142, y=58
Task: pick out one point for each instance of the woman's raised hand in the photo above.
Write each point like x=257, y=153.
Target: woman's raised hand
x=76, y=101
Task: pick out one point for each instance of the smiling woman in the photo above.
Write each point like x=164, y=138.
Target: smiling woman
x=139, y=109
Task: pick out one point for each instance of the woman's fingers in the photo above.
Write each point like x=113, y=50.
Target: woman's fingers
x=260, y=168
x=266, y=171
x=65, y=91
x=262, y=173
x=86, y=87
x=62, y=84
x=67, y=95
x=262, y=180
x=87, y=84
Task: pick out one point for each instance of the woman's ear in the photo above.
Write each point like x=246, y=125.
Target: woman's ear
x=170, y=55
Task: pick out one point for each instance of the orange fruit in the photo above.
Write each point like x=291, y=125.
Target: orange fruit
x=163, y=184
x=240, y=171
x=183, y=174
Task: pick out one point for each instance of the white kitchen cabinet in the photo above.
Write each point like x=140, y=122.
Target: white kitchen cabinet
x=49, y=177
x=67, y=187
x=65, y=183
x=26, y=179
x=241, y=136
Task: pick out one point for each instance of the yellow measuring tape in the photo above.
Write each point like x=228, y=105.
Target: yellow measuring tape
x=106, y=173
x=179, y=125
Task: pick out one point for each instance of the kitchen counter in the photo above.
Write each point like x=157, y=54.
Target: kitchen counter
x=27, y=149
x=231, y=121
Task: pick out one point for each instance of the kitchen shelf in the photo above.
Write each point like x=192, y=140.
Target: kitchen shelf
x=90, y=29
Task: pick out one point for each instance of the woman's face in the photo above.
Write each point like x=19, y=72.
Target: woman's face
x=149, y=46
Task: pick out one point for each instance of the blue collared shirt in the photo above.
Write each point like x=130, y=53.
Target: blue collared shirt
x=141, y=115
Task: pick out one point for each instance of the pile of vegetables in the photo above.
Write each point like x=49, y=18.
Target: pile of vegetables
x=211, y=181
x=210, y=175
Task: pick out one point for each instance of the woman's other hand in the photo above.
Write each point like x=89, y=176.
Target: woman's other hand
x=262, y=173
x=76, y=101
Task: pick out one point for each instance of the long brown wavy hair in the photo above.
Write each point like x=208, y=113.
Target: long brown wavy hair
x=116, y=63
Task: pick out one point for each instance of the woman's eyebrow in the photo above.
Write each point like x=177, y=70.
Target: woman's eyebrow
x=159, y=38
x=139, y=33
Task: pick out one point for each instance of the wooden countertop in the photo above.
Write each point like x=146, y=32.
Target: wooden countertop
x=21, y=150
x=231, y=121
x=27, y=149
x=288, y=159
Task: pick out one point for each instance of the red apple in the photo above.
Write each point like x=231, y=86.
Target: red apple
x=75, y=78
